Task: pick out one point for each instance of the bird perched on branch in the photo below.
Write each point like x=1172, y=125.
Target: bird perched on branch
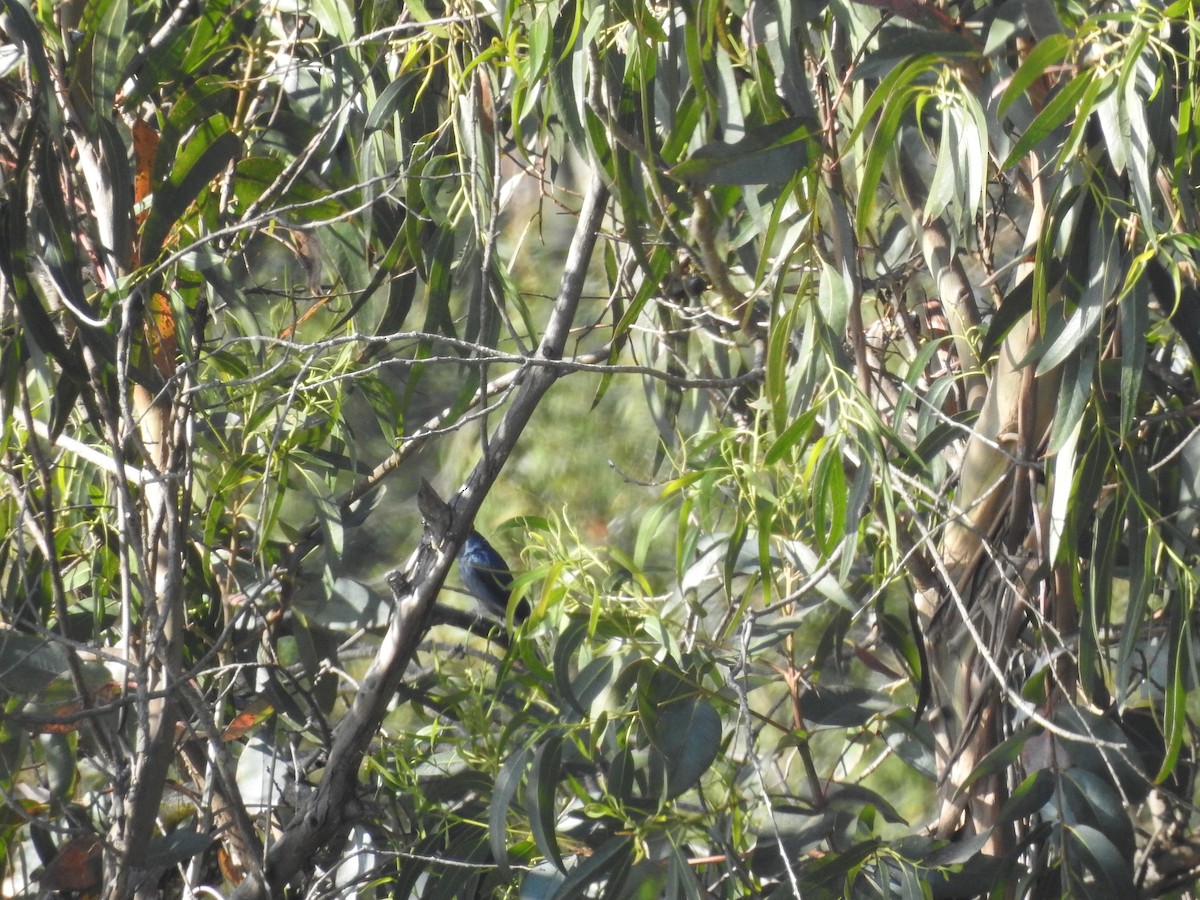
x=487, y=578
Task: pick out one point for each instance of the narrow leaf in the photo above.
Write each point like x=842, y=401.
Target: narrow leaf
x=508, y=782
x=539, y=797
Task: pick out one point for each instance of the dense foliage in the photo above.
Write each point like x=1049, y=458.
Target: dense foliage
x=886, y=313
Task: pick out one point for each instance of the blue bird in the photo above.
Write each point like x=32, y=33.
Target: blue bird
x=487, y=578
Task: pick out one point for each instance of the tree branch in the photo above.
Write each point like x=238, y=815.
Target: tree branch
x=320, y=817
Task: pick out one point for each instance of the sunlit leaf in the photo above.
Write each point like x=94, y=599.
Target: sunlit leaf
x=1062, y=108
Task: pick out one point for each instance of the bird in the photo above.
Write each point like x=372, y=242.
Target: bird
x=487, y=578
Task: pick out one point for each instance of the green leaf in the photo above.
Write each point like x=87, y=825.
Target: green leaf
x=592, y=681
x=843, y=706
x=826, y=876
x=1134, y=323
x=200, y=161
x=897, y=83
x=648, y=532
x=766, y=154
x=901, y=42
x=853, y=797
x=21, y=25
x=689, y=737
x=385, y=270
x=897, y=104
x=508, y=782
x=800, y=427
x=1105, y=272
x=1099, y=747
x=1175, y=712
x=540, y=791
x=62, y=765
x=177, y=847
x=1089, y=799
x=388, y=102
x=1029, y=797
x=565, y=77
x=336, y=18
x=1096, y=599
x=900, y=634
x=1064, y=105
x=28, y=663
x=541, y=882
x=564, y=649
x=607, y=862
x=998, y=759
x=1049, y=51
x=1090, y=852
x=1009, y=20
x=829, y=509
x=346, y=604
x=1017, y=302
x=111, y=20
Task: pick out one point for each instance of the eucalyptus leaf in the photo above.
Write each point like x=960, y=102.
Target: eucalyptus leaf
x=763, y=155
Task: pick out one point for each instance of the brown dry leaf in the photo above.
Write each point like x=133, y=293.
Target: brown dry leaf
x=160, y=334
x=65, y=709
x=234, y=873
x=258, y=710
x=145, y=149
x=76, y=866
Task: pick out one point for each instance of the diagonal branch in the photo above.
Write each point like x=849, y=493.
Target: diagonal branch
x=321, y=817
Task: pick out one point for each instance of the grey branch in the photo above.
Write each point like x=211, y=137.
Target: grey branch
x=320, y=817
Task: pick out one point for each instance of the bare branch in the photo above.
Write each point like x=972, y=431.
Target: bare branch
x=415, y=590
